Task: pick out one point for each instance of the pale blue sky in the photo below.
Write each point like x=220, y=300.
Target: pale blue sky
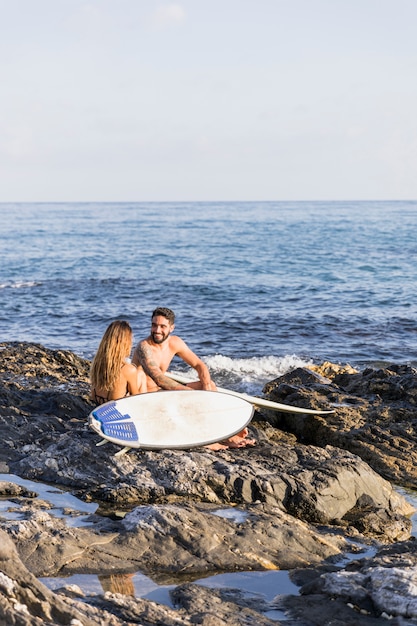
x=107, y=100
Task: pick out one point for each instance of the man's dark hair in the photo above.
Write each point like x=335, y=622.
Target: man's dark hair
x=167, y=313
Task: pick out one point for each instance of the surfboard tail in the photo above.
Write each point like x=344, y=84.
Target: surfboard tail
x=267, y=404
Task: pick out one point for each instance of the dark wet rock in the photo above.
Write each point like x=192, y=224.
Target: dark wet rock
x=318, y=485
x=30, y=365
x=305, y=490
x=42, y=392
x=315, y=484
x=375, y=415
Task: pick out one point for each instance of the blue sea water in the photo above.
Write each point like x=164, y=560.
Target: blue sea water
x=258, y=287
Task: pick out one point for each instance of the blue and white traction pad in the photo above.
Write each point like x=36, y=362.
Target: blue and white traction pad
x=114, y=424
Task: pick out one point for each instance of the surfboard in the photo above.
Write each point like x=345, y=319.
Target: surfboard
x=268, y=404
x=171, y=419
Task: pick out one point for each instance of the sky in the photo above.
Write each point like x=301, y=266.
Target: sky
x=208, y=100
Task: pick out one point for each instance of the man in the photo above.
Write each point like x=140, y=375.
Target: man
x=155, y=354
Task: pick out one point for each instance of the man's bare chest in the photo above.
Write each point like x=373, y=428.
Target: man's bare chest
x=162, y=357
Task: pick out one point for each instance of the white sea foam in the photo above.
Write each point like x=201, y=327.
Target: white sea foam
x=19, y=284
x=265, y=367
x=250, y=375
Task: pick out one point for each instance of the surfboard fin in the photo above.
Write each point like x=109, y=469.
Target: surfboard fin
x=123, y=451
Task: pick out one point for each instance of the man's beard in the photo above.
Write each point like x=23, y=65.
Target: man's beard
x=159, y=339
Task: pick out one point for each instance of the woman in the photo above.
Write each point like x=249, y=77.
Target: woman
x=112, y=376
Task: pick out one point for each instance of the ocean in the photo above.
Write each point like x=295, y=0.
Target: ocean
x=257, y=287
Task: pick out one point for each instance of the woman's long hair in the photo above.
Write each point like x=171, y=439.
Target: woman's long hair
x=114, y=347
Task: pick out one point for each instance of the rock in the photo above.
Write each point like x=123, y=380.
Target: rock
x=30, y=365
x=24, y=600
x=299, y=497
x=330, y=370
x=380, y=587
x=162, y=540
x=218, y=607
x=318, y=485
x=375, y=416
x=42, y=392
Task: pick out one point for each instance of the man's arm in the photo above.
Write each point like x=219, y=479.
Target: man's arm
x=188, y=356
x=143, y=355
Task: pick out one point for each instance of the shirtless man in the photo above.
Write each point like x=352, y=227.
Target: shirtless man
x=155, y=354
x=157, y=351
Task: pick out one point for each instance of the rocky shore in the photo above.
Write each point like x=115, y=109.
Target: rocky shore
x=312, y=490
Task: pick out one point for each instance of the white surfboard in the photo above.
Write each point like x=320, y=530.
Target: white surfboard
x=268, y=404
x=171, y=419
